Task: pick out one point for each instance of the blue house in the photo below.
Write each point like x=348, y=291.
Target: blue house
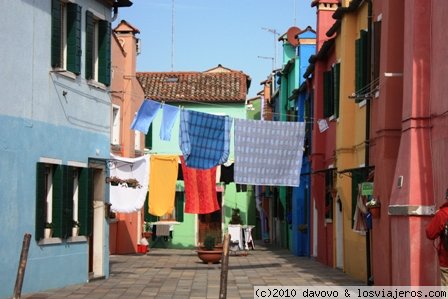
x=55, y=139
x=292, y=102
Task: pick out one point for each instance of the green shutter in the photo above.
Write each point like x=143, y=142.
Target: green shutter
x=180, y=206
x=85, y=201
x=74, y=38
x=364, y=61
x=41, y=198
x=56, y=24
x=327, y=94
x=104, y=48
x=58, y=195
x=336, y=88
x=67, y=220
x=358, y=76
x=149, y=217
x=358, y=176
x=90, y=33
x=148, y=138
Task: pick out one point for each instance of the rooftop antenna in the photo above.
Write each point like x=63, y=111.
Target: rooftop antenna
x=275, y=33
x=172, y=35
x=294, y=20
x=267, y=57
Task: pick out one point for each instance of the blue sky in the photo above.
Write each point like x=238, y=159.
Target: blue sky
x=208, y=33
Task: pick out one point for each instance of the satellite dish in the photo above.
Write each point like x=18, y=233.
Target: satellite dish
x=291, y=36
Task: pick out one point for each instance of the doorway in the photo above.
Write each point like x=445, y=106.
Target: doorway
x=211, y=224
x=96, y=240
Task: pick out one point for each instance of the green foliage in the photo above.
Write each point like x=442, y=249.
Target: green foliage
x=209, y=242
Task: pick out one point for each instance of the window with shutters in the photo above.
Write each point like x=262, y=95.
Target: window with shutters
x=98, y=49
x=115, y=127
x=63, y=196
x=361, y=66
x=66, y=36
x=331, y=91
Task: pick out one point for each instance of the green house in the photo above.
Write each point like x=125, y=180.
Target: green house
x=220, y=91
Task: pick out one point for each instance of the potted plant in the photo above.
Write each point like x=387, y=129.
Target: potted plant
x=147, y=231
x=132, y=183
x=114, y=181
x=75, y=228
x=48, y=231
x=208, y=253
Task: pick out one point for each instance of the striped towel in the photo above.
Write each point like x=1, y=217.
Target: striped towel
x=268, y=153
x=204, y=139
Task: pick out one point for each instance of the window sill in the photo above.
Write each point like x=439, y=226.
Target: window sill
x=50, y=241
x=64, y=73
x=97, y=84
x=362, y=103
x=77, y=239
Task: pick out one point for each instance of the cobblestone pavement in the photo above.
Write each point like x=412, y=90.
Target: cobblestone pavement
x=175, y=273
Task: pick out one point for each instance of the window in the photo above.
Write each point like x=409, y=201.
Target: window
x=137, y=143
x=329, y=194
x=98, y=49
x=115, y=130
x=176, y=215
x=331, y=91
x=66, y=36
x=148, y=138
x=361, y=66
x=63, y=193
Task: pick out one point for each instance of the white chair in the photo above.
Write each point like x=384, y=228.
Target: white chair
x=236, y=237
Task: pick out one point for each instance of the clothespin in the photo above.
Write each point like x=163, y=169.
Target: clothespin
x=161, y=104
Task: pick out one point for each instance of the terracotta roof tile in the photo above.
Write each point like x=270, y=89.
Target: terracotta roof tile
x=229, y=86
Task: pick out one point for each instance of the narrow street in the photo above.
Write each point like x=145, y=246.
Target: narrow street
x=173, y=273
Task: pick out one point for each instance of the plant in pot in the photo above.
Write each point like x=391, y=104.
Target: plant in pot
x=208, y=253
x=147, y=230
x=48, y=231
x=75, y=228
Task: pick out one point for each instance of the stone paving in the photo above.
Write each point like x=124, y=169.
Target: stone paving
x=175, y=273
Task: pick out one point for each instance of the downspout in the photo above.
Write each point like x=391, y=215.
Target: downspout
x=370, y=280
x=115, y=16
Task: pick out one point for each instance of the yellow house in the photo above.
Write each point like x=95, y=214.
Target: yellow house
x=351, y=44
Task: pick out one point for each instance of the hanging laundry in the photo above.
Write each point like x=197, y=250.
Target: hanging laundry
x=162, y=184
x=268, y=152
x=200, y=190
x=227, y=128
x=124, y=196
x=203, y=139
x=169, y=115
x=227, y=173
x=359, y=218
x=145, y=115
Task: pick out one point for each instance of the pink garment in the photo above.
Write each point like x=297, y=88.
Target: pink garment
x=200, y=189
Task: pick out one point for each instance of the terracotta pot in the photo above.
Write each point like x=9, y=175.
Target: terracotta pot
x=210, y=256
x=375, y=212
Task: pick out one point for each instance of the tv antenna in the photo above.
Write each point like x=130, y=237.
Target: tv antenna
x=275, y=33
x=267, y=57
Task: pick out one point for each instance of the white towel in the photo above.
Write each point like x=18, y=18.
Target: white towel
x=268, y=153
x=125, y=199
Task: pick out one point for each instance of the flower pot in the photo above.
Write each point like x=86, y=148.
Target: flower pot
x=147, y=235
x=210, y=256
x=375, y=212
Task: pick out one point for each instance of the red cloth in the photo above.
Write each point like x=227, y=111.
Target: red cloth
x=200, y=189
x=433, y=230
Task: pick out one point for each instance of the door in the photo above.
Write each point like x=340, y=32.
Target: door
x=211, y=224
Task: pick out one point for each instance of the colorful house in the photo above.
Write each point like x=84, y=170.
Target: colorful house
x=55, y=140
x=127, y=97
x=219, y=90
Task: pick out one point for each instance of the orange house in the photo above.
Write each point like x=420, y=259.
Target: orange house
x=127, y=96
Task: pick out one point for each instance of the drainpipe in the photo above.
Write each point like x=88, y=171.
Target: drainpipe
x=367, y=141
